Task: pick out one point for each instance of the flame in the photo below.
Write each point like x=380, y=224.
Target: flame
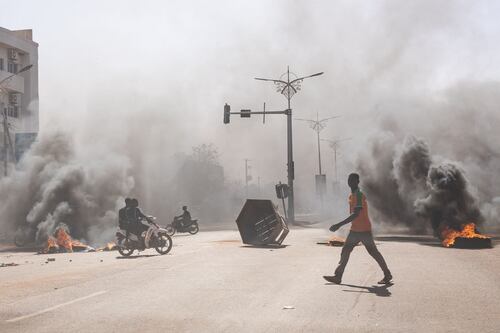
x=336, y=241
x=108, y=247
x=62, y=239
x=51, y=245
x=468, y=231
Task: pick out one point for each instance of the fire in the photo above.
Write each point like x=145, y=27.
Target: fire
x=336, y=241
x=449, y=235
x=62, y=240
x=108, y=247
x=51, y=245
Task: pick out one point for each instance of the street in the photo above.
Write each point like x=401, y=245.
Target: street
x=210, y=282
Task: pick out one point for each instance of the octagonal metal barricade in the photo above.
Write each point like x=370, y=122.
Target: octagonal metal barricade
x=260, y=223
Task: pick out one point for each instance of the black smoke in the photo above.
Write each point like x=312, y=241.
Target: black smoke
x=407, y=186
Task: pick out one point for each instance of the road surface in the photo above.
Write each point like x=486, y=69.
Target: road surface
x=210, y=282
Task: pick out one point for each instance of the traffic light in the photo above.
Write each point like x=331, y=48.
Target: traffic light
x=245, y=113
x=227, y=114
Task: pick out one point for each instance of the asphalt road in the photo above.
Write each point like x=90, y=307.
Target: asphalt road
x=211, y=283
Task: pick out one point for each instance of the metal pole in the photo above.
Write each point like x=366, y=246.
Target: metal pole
x=287, y=89
x=246, y=177
x=319, y=154
x=5, y=152
x=258, y=182
x=291, y=207
x=335, y=161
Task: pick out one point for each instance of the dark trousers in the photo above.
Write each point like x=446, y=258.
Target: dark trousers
x=352, y=240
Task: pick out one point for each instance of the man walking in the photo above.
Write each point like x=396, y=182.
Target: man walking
x=361, y=231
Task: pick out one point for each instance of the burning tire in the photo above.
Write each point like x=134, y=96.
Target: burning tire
x=194, y=229
x=165, y=243
x=170, y=230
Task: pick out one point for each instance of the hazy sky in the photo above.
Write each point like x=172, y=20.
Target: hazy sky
x=182, y=60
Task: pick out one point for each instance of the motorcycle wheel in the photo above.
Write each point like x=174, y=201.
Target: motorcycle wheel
x=170, y=230
x=194, y=229
x=125, y=251
x=165, y=244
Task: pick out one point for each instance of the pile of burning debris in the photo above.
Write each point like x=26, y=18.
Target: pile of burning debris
x=333, y=241
x=466, y=238
x=61, y=242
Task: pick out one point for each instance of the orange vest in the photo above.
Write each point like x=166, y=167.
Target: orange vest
x=362, y=222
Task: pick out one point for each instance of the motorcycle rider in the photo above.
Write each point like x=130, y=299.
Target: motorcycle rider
x=185, y=218
x=123, y=222
x=135, y=217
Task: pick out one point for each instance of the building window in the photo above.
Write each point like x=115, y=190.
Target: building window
x=1, y=64
x=13, y=111
x=12, y=67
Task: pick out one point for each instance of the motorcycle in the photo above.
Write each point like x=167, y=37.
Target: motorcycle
x=155, y=237
x=176, y=226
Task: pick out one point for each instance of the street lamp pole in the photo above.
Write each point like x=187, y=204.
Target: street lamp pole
x=289, y=88
x=246, y=177
x=334, y=145
x=318, y=125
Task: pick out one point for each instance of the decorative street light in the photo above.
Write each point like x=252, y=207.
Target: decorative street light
x=318, y=125
x=288, y=85
x=334, y=145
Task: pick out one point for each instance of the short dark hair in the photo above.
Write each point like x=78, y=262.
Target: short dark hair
x=128, y=201
x=354, y=175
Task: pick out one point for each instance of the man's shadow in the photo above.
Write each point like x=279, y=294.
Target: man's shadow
x=381, y=291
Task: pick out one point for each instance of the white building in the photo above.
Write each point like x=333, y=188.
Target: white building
x=19, y=94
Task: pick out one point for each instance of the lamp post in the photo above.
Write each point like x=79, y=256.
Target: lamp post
x=6, y=134
x=288, y=87
x=247, y=176
x=318, y=125
x=334, y=145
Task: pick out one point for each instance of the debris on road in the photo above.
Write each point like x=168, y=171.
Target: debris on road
x=62, y=242
x=259, y=223
x=10, y=264
x=333, y=241
x=468, y=237
x=51, y=259
x=109, y=247
x=288, y=307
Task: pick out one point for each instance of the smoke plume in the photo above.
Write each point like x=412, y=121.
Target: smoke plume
x=52, y=185
x=408, y=186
